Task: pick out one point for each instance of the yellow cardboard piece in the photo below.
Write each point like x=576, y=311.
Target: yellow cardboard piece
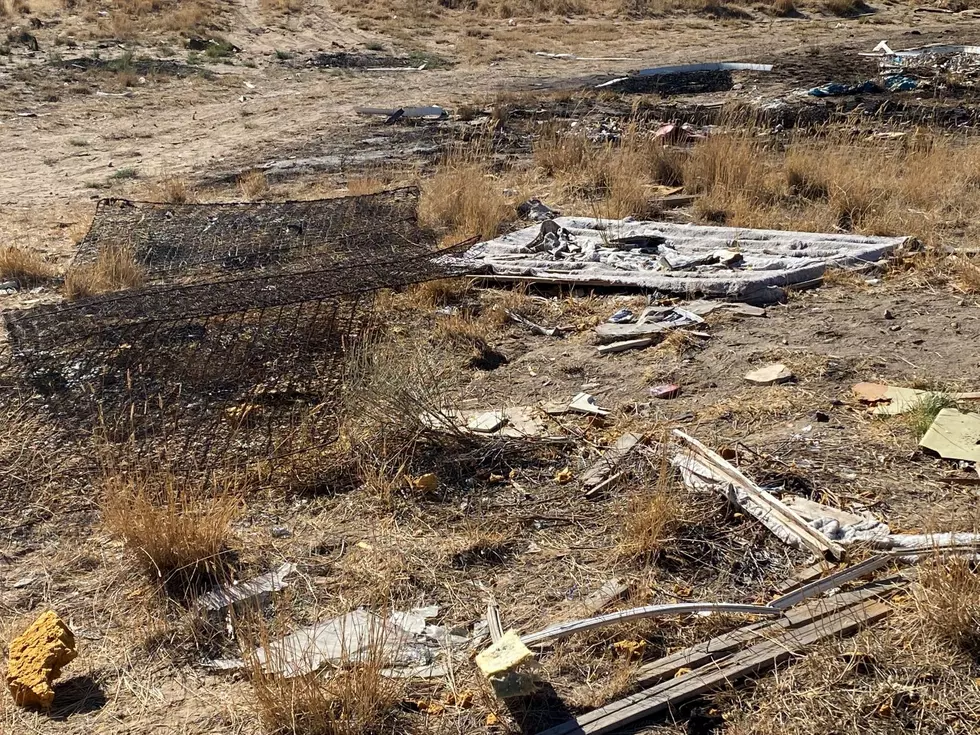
x=503, y=655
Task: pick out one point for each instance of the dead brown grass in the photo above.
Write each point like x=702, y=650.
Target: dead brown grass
x=24, y=266
x=843, y=7
x=966, y=275
x=948, y=602
x=653, y=515
x=134, y=18
x=114, y=269
x=610, y=180
x=14, y=7
x=464, y=198
x=365, y=185
x=173, y=190
x=177, y=530
x=441, y=292
x=352, y=697
x=253, y=185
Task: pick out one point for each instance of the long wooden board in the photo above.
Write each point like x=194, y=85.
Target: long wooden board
x=722, y=645
x=760, y=657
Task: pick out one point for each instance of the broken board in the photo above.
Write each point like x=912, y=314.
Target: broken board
x=954, y=435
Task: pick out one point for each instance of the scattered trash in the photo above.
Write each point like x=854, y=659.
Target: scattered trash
x=836, y=89
x=36, y=658
x=517, y=422
x=427, y=483
x=534, y=210
x=685, y=71
x=502, y=664
x=487, y=423
x=631, y=650
x=954, y=434
x=563, y=476
x=610, y=460
x=770, y=375
x=585, y=403
x=626, y=253
x=573, y=57
x=255, y=590
x=623, y=316
x=627, y=344
x=665, y=391
x=717, y=663
x=431, y=112
x=535, y=328
x=702, y=468
x=890, y=400
x=608, y=593
x=414, y=621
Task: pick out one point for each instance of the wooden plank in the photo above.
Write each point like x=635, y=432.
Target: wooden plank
x=771, y=512
x=702, y=653
x=804, y=576
x=606, y=464
x=761, y=657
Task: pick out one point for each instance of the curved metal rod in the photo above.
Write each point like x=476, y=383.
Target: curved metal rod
x=577, y=626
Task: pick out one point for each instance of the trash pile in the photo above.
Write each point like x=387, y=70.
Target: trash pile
x=744, y=264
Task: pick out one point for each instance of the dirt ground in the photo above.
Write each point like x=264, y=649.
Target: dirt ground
x=87, y=115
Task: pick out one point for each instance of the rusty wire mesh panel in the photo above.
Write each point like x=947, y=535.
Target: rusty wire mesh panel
x=198, y=241
x=209, y=371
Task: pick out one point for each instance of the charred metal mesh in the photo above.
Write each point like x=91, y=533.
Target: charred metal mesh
x=213, y=372
x=199, y=241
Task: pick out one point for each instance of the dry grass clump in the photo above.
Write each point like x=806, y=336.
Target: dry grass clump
x=365, y=185
x=24, y=266
x=353, y=697
x=173, y=190
x=441, y=292
x=614, y=180
x=114, y=269
x=463, y=198
x=966, y=275
x=948, y=602
x=253, y=185
x=783, y=8
x=653, y=515
x=844, y=7
x=14, y=7
x=178, y=530
x=837, y=183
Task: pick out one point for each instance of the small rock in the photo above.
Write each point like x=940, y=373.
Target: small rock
x=888, y=314
x=280, y=532
x=36, y=659
x=894, y=328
